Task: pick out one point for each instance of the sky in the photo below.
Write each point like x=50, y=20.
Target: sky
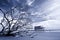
x=44, y=12
x=50, y=12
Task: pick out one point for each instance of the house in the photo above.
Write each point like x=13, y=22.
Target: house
x=38, y=28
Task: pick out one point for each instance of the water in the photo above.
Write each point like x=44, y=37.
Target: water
x=36, y=36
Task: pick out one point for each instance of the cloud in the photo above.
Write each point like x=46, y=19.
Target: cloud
x=49, y=24
x=29, y=2
x=50, y=11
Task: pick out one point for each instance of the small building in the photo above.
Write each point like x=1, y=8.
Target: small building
x=38, y=28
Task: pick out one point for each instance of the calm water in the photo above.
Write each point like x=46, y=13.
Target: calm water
x=36, y=36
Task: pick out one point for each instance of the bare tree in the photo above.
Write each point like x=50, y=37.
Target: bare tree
x=14, y=21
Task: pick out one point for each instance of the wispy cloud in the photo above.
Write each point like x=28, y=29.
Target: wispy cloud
x=50, y=12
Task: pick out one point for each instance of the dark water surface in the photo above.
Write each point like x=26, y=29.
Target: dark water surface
x=36, y=36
